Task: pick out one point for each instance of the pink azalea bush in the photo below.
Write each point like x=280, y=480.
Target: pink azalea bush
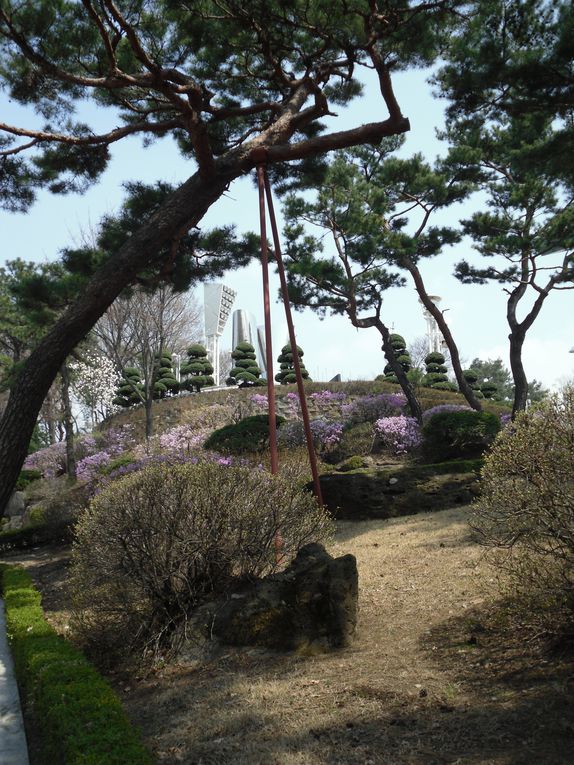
x=399, y=434
x=372, y=408
x=442, y=408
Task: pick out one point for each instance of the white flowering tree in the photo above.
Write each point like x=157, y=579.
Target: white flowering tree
x=94, y=384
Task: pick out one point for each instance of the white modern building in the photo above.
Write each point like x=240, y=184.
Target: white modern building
x=217, y=303
x=245, y=330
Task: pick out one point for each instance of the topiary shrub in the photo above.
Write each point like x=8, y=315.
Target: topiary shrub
x=196, y=371
x=245, y=372
x=435, y=371
x=399, y=346
x=356, y=440
x=459, y=434
x=248, y=435
x=130, y=390
x=158, y=543
x=526, y=511
x=286, y=374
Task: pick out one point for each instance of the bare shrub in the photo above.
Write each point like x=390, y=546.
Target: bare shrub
x=156, y=544
x=526, y=511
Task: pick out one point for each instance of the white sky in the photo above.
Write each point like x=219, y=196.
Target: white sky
x=476, y=314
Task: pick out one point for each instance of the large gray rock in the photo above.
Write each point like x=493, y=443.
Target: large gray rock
x=16, y=504
x=313, y=603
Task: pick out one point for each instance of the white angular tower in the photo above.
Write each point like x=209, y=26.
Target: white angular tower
x=217, y=303
x=435, y=339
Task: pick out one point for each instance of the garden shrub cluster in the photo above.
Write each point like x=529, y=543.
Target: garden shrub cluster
x=526, y=511
x=462, y=433
x=79, y=715
x=157, y=543
x=248, y=435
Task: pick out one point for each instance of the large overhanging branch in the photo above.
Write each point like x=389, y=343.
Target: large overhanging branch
x=41, y=136
x=372, y=132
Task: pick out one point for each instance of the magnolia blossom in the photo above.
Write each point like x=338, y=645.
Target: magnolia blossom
x=95, y=383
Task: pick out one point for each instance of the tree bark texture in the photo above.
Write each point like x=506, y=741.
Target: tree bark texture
x=400, y=373
x=438, y=316
x=68, y=423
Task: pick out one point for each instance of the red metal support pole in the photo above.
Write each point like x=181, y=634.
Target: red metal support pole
x=267, y=311
x=292, y=340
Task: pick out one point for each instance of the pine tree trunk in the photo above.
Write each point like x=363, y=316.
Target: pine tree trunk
x=518, y=373
x=400, y=373
x=68, y=424
x=437, y=315
x=181, y=211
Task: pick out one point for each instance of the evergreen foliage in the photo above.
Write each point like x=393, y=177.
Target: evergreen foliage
x=286, y=374
x=245, y=370
x=221, y=79
x=251, y=434
x=131, y=389
x=196, y=372
x=436, y=373
x=449, y=435
x=164, y=375
x=403, y=357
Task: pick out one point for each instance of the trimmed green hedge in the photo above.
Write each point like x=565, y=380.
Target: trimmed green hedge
x=80, y=717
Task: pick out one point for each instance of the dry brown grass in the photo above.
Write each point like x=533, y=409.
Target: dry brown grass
x=433, y=676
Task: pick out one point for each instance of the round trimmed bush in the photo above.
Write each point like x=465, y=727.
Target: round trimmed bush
x=156, y=544
x=459, y=434
x=248, y=435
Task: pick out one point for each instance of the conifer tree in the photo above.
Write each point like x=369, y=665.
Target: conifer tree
x=131, y=390
x=403, y=357
x=286, y=374
x=231, y=82
x=245, y=370
x=164, y=375
x=196, y=372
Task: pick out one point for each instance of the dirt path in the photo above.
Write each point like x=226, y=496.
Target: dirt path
x=430, y=678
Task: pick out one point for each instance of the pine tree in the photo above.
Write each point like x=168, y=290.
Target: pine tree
x=197, y=370
x=245, y=369
x=131, y=389
x=436, y=373
x=286, y=374
x=402, y=355
x=164, y=376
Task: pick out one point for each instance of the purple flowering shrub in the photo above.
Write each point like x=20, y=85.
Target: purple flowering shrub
x=441, y=408
x=373, y=408
x=50, y=461
x=91, y=466
x=505, y=420
x=117, y=441
x=326, y=434
x=399, y=434
x=259, y=400
x=328, y=401
x=183, y=439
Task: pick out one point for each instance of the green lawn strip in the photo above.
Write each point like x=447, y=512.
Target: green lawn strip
x=80, y=717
